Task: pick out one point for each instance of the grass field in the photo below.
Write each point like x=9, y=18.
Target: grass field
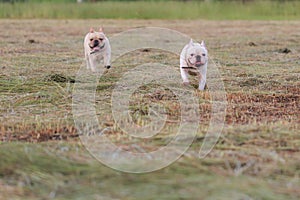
x=257, y=156
x=212, y=10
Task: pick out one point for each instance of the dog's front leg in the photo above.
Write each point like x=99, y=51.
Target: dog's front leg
x=87, y=61
x=106, y=59
x=202, y=77
x=184, y=76
x=93, y=64
x=202, y=81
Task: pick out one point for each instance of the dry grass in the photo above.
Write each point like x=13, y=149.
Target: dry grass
x=256, y=156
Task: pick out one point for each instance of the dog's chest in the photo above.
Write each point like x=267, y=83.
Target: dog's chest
x=97, y=55
x=193, y=72
x=196, y=71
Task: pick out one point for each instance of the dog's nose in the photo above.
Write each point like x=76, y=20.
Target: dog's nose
x=96, y=43
x=198, y=58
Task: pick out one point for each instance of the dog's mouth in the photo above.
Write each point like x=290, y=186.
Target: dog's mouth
x=97, y=48
x=198, y=64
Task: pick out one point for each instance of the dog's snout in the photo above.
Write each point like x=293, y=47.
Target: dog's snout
x=198, y=58
x=96, y=43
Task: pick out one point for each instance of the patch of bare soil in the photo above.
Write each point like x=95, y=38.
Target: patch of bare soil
x=26, y=134
x=247, y=108
x=244, y=108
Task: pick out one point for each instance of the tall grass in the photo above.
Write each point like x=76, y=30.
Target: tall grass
x=212, y=10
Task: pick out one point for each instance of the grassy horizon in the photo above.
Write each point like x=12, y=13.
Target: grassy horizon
x=257, y=10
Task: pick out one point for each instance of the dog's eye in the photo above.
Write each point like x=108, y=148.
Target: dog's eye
x=203, y=54
x=91, y=39
x=100, y=39
x=192, y=54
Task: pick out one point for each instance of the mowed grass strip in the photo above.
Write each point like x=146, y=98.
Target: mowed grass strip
x=212, y=10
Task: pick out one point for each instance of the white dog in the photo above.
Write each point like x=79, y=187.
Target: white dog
x=96, y=48
x=193, y=60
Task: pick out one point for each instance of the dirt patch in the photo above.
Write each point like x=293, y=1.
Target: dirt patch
x=284, y=50
x=251, y=82
x=9, y=134
x=59, y=78
x=248, y=108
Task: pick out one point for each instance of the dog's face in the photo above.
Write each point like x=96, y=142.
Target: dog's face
x=96, y=40
x=196, y=54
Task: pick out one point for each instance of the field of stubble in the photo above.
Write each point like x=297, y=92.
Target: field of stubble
x=257, y=156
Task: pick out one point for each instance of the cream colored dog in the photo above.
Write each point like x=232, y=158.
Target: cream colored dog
x=193, y=60
x=96, y=48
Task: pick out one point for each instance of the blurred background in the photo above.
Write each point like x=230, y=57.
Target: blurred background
x=154, y=9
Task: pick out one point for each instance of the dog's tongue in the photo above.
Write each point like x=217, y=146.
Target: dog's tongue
x=96, y=49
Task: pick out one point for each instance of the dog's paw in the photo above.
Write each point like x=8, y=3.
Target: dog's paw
x=107, y=66
x=186, y=83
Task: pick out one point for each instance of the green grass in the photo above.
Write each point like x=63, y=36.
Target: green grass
x=215, y=10
x=66, y=171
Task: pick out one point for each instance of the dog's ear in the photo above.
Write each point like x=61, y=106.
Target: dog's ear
x=191, y=43
x=203, y=44
x=101, y=29
x=92, y=30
